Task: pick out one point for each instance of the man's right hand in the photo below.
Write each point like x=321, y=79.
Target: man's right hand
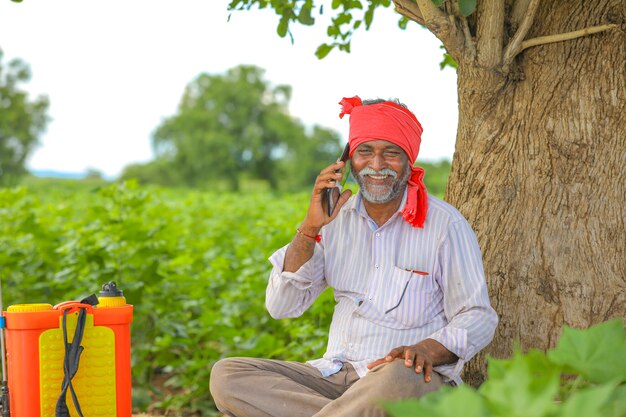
x=301, y=248
x=317, y=215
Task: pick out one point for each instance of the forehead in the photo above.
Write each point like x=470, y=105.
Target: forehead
x=378, y=145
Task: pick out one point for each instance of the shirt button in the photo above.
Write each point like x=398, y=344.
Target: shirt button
x=376, y=266
x=377, y=234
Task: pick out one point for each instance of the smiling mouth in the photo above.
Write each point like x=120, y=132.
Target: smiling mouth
x=378, y=177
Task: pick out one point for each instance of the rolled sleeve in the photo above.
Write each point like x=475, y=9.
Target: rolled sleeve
x=289, y=294
x=455, y=340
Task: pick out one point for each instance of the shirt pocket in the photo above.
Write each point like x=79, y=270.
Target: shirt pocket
x=410, y=298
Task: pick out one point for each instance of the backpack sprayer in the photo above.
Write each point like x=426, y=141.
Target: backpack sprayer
x=80, y=347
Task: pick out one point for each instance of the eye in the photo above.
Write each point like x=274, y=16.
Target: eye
x=364, y=152
x=392, y=154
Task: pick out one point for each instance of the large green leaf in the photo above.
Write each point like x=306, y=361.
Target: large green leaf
x=522, y=386
x=597, y=353
x=617, y=403
x=590, y=402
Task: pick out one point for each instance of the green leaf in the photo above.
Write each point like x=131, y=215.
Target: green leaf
x=524, y=385
x=438, y=2
x=597, y=353
x=467, y=7
x=323, y=50
x=342, y=18
x=460, y=401
x=617, y=403
x=305, y=16
x=283, y=25
x=448, y=61
x=369, y=16
x=590, y=402
x=403, y=22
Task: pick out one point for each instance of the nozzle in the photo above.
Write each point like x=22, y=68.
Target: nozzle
x=110, y=290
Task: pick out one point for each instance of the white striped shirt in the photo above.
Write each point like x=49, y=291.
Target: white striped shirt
x=394, y=285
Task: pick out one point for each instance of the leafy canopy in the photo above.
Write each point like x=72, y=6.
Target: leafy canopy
x=237, y=126
x=21, y=120
x=347, y=17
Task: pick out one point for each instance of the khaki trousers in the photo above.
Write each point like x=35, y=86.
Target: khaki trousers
x=250, y=387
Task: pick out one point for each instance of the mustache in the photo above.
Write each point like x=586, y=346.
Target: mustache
x=384, y=171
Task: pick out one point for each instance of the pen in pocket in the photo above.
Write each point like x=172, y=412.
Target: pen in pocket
x=415, y=271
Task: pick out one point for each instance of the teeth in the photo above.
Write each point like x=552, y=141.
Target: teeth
x=378, y=177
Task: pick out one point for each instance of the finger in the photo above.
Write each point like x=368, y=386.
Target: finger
x=327, y=180
x=342, y=200
x=394, y=353
x=419, y=364
x=428, y=370
x=409, y=356
x=375, y=363
x=332, y=167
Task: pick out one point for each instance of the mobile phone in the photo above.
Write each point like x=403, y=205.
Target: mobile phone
x=333, y=193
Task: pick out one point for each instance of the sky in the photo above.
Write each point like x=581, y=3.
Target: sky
x=114, y=70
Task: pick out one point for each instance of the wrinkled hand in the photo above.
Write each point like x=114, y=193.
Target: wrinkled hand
x=317, y=215
x=417, y=356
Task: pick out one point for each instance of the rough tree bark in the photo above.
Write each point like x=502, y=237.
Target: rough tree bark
x=539, y=171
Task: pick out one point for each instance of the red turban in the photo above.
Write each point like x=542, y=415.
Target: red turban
x=396, y=124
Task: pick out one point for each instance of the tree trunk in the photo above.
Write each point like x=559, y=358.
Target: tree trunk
x=540, y=173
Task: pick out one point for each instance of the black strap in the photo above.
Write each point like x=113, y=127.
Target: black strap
x=72, y=357
x=70, y=364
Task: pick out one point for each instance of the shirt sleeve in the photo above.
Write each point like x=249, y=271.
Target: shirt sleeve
x=471, y=319
x=289, y=294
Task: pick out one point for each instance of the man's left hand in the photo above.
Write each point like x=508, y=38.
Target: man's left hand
x=423, y=356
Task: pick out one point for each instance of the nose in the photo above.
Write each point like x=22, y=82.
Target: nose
x=377, y=162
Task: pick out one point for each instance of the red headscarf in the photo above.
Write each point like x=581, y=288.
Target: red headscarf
x=396, y=124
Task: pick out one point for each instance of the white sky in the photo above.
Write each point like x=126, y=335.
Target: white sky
x=114, y=69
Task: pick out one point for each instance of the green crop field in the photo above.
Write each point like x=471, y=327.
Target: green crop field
x=193, y=264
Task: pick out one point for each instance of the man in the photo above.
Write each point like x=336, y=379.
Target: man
x=412, y=304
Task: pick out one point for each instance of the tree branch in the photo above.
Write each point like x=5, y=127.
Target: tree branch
x=542, y=40
x=469, y=41
x=410, y=10
x=519, y=11
x=447, y=32
x=470, y=48
x=490, y=33
x=432, y=14
x=515, y=45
